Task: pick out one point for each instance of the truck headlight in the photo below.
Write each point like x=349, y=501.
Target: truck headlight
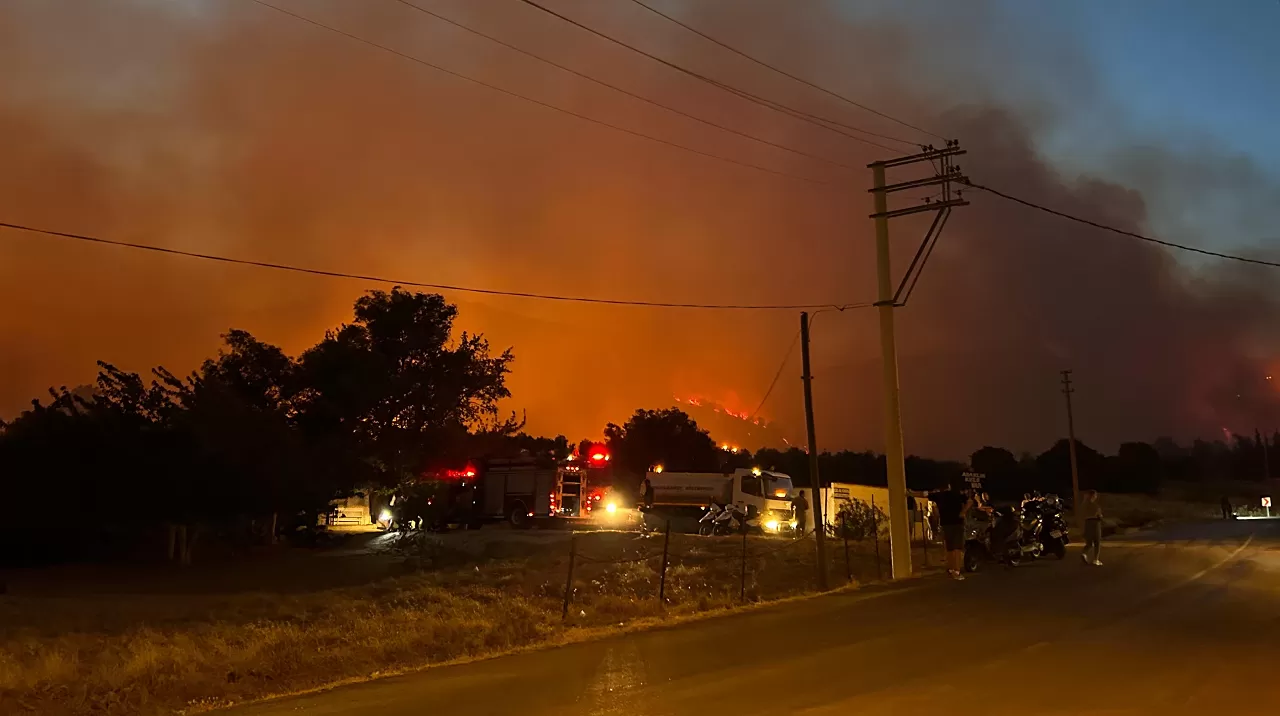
x=771, y=525
x=611, y=508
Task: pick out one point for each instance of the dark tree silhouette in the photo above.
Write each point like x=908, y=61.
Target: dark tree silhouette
x=398, y=383
x=252, y=437
x=1005, y=477
x=1135, y=468
x=669, y=437
x=1054, y=468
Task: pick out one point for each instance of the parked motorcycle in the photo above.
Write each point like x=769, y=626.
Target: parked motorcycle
x=1050, y=526
x=728, y=520
x=719, y=520
x=997, y=537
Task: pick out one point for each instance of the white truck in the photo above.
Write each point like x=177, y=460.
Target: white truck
x=764, y=495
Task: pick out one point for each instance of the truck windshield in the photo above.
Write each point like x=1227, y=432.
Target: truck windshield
x=777, y=487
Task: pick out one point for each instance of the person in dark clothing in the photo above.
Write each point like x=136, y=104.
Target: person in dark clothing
x=646, y=494
x=952, y=507
x=1227, y=511
x=801, y=507
x=1091, y=510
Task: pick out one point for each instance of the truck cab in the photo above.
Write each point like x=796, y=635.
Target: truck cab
x=768, y=494
x=764, y=495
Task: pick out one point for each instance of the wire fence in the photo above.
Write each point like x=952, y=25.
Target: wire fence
x=670, y=566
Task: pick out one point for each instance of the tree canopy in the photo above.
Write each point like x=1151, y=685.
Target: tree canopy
x=254, y=433
x=668, y=437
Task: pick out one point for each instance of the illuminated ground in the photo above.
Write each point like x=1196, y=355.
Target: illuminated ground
x=1183, y=622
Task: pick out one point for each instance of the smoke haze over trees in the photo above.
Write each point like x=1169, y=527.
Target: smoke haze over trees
x=227, y=128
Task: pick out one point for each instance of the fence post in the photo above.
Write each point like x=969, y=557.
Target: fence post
x=875, y=529
x=662, y=580
x=742, y=585
x=568, y=581
x=844, y=529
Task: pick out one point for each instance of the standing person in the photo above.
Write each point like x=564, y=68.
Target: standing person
x=1227, y=512
x=1092, y=513
x=801, y=507
x=646, y=494
x=952, y=507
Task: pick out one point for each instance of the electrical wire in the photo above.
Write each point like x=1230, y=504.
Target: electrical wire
x=620, y=90
x=788, y=75
x=786, y=358
x=812, y=119
x=1122, y=232
x=538, y=102
x=806, y=117
x=417, y=284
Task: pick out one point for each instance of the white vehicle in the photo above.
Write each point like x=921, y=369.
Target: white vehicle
x=763, y=495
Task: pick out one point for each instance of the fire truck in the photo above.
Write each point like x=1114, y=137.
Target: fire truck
x=529, y=489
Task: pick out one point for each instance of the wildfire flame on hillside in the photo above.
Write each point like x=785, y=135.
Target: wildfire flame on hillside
x=738, y=427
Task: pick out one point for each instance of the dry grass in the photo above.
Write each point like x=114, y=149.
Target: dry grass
x=1126, y=512
x=130, y=655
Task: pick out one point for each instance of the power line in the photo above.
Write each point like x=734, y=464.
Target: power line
x=538, y=102
x=788, y=75
x=828, y=124
x=615, y=88
x=786, y=358
x=418, y=284
x=798, y=114
x=1122, y=232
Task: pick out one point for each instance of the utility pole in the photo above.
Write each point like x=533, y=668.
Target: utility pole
x=820, y=531
x=1067, y=390
x=945, y=172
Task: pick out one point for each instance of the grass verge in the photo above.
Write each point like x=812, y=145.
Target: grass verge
x=132, y=655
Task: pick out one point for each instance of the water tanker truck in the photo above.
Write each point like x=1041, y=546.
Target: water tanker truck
x=764, y=495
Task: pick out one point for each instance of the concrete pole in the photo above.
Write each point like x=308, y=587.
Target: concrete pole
x=899, y=529
x=1067, y=390
x=820, y=528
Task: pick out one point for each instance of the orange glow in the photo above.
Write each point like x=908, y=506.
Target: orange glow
x=200, y=147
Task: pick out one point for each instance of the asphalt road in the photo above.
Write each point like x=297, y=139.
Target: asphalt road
x=1181, y=622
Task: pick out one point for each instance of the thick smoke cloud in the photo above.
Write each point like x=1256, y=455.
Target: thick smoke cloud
x=225, y=127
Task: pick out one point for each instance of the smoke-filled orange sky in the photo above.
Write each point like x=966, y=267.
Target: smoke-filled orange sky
x=224, y=127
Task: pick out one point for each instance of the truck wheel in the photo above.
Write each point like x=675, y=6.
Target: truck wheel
x=519, y=516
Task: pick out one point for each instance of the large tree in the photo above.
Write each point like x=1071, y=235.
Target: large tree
x=397, y=382
x=1004, y=476
x=1137, y=467
x=669, y=437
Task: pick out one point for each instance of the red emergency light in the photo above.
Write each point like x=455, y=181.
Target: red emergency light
x=598, y=456
x=464, y=473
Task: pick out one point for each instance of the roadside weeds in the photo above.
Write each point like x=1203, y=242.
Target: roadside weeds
x=207, y=654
